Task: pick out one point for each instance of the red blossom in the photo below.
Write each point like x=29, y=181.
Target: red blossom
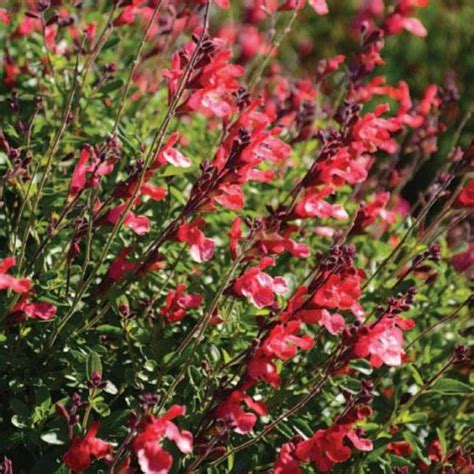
x=235, y=235
x=466, y=197
x=326, y=447
x=286, y=462
x=152, y=458
x=259, y=287
x=313, y=205
x=4, y=16
x=177, y=303
x=400, y=448
x=201, y=248
x=36, y=310
x=233, y=414
x=80, y=455
x=18, y=285
x=139, y=224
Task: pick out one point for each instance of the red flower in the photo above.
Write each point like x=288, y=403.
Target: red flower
x=286, y=462
x=400, y=448
x=319, y=6
x=258, y=286
x=88, y=163
x=156, y=193
x=4, y=16
x=341, y=292
x=235, y=235
x=283, y=343
x=41, y=310
x=18, y=285
x=313, y=205
x=466, y=197
x=152, y=458
x=139, y=224
x=79, y=456
x=169, y=154
x=201, y=248
x=326, y=447
x=78, y=178
x=368, y=213
x=465, y=260
x=177, y=302
x=230, y=196
x=232, y=413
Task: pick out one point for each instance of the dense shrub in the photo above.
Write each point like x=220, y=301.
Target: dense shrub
x=208, y=258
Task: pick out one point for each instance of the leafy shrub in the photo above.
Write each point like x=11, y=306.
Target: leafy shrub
x=208, y=263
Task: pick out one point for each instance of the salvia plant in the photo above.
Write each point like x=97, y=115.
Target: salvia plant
x=208, y=259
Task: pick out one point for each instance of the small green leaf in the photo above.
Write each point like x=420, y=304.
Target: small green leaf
x=416, y=374
x=111, y=86
x=449, y=386
x=93, y=364
x=442, y=440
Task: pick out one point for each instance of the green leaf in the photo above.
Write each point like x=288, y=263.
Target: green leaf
x=442, y=440
x=449, y=386
x=111, y=86
x=410, y=437
x=416, y=374
x=93, y=364
x=109, y=330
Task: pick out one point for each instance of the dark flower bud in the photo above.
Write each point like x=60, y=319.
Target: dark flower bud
x=461, y=354
x=111, y=68
x=404, y=398
x=43, y=5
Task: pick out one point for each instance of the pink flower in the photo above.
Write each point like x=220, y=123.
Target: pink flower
x=313, y=205
x=79, y=456
x=383, y=342
x=319, y=6
x=152, y=458
x=259, y=287
x=18, y=285
x=177, y=303
x=201, y=248
x=156, y=193
x=169, y=154
x=230, y=196
x=139, y=224
x=4, y=16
